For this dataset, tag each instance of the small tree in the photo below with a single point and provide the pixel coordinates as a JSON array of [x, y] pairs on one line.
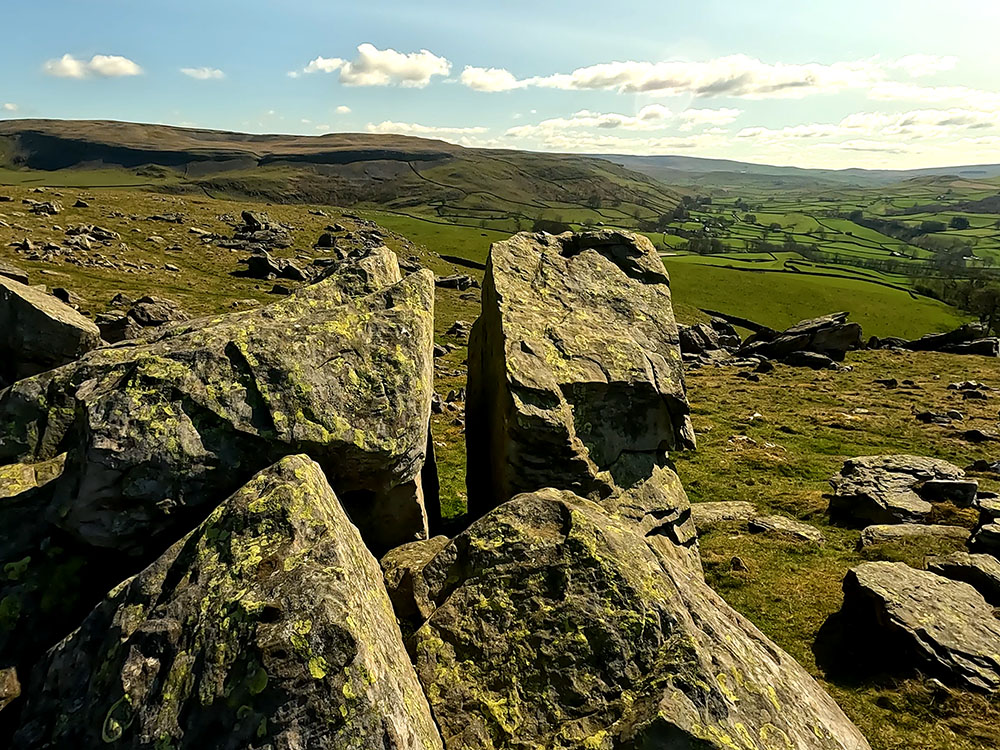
[[958, 222]]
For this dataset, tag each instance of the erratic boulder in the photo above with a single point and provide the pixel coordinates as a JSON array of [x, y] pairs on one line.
[[558, 625], [918, 619], [575, 377], [158, 430], [38, 332], [266, 627], [893, 489], [830, 335]]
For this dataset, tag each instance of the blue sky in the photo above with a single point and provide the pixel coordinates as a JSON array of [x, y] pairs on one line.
[[882, 83]]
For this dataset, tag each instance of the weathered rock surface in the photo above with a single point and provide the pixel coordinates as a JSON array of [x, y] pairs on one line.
[[155, 431], [894, 533], [560, 626], [407, 589], [268, 626], [38, 332], [830, 335], [575, 377], [789, 528], [982, 572], [143, 314], [921, 619], [709, 515], [889, 489]]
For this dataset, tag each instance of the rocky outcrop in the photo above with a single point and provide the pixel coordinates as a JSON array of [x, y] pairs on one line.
[[895, 489], [971, 338], [143, 314], [155, 431], [982, 572], [830, 335], [918, 619], [708, 337], [575, 377], [558, 625], [38, 332], [267, 626]]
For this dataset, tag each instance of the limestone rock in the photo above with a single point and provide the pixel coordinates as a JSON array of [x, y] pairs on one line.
[[575, 376], [830, 335], [709, 515], [560, 626], [941, 626], [158, 430], [789, 528], [893, 533], [38, 332], [982, 572], [407, 589], [267, 626], [888, 489]]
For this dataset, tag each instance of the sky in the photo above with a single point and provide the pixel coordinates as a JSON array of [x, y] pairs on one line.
[[810, 83]]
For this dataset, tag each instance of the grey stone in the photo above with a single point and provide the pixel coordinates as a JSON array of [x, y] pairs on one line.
[[894, 533], [982, 572], [782, 526]]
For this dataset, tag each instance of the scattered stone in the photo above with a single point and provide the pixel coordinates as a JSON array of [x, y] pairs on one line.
[[979, 436], [888, 489], [10, 271], [887, 382], [172, 268], [982, 572], [987, 539], [38, 332], [811, 360], [67, 297], [267, 626], [80, 203], [971, 338], [894, 533], [926, 621], [983, 466], [783, 526], [456, 281], [460, 329]]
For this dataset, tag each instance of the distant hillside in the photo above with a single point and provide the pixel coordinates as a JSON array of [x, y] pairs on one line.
[[694, 171], [400, 173]]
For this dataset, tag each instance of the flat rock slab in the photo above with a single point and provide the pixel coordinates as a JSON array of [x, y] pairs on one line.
[[267, 626], [889, 489], [38, 332], [987, 539], [561, 626], [709, 515], [894, 533], [789, 528], [930, 622], [982, 572]]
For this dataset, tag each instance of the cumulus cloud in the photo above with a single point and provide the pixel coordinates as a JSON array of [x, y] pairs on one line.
[[695, 118], [490, 79], [203, 74], [412, 128], [650, 117], [960, 95], [383, 67], [9, 107], [343, 109], [101, 66]]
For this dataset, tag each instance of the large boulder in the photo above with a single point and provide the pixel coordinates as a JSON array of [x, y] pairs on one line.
[[143, 314], [38, 332], [267, 626], [893, 489], [971, 338], [575, 377], [915, 618], [830, 335], [158, 430], [559, 625]]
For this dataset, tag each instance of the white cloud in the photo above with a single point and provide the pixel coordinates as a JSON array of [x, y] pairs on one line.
[[733, 76], [490, 79], [924, 65], [960, 95], [343, 109], [650, 117], [203, 74], [9, 107], [383, 67], [102, 66], [694, 118], [412, 128]]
